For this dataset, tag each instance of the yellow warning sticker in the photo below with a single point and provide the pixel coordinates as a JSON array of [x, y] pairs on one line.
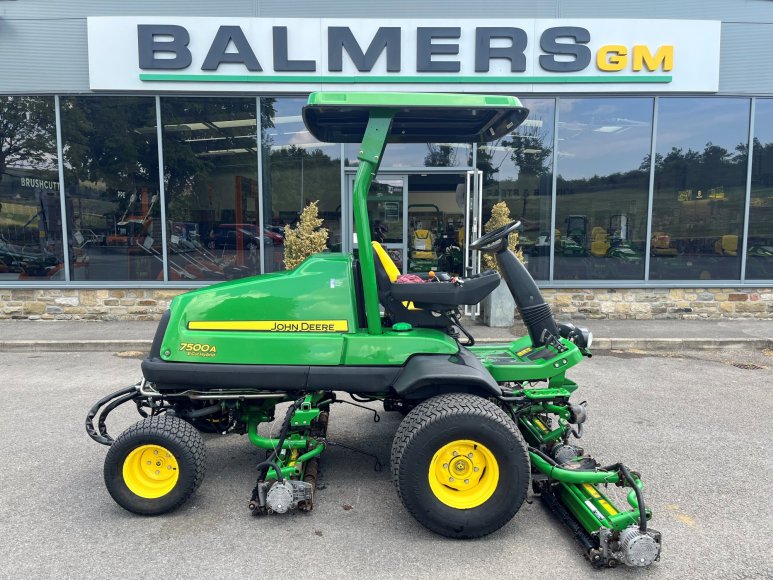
[[272, 325], [526, 350]]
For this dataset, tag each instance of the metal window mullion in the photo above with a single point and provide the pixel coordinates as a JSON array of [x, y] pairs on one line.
[[344, 214], [553, 196], [745, 239], [406, 243], [62, 205], [651, 192], [162, 189], [259, 137]]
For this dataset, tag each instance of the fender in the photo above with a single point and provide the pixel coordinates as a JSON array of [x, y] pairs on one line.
[[426, 375]]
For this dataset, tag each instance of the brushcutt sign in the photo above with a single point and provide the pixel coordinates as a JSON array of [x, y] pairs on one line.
[[305, 54]]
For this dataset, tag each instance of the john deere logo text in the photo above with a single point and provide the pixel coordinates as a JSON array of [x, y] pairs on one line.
[[272, 325]]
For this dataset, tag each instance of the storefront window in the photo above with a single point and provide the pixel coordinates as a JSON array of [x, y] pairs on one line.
[[759, 254], [517, 169], [111, 188], [211, 187], [30, 216], [700, 188], [404, 155], [602, 188], [297, 170]]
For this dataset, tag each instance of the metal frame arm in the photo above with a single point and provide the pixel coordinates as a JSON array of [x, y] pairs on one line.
[[370, 155]]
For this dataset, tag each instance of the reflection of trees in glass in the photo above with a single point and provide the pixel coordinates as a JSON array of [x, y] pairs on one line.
[[440, 155], [27, 133], [203, 138], [299, 175], [713, 167], [111, 140], [528, 155]]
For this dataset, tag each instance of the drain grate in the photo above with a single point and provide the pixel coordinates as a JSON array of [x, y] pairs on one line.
[[747, 366]]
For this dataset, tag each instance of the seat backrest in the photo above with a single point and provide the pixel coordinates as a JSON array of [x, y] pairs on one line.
[[387, 265]]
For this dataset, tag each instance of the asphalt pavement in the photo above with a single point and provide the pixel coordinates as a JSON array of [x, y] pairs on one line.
[[695, 426]]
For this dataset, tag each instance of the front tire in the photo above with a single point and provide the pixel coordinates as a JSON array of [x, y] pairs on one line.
[[460, 465], [155, 465]]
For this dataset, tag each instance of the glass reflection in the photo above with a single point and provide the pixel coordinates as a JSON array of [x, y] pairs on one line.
[[517, 169], [30, 215], [111, 188], [404, 155], [297, 170], [211, 186], [700, 188], [602, 188], [759, 254]]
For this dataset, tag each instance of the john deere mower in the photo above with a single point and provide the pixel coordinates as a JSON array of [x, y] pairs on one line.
[[482, 423]]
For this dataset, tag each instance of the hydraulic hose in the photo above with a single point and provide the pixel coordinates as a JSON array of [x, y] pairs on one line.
[[263, 467], [639, 497], [269, 462]]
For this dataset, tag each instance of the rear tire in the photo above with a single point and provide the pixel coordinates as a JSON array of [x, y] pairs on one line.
[[155, 465], [460, 465]]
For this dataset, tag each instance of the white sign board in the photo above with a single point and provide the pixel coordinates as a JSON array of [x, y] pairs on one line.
[[306, 54]]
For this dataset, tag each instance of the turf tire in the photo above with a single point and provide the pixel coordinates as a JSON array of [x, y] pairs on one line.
[[181, 439], [438, 421]]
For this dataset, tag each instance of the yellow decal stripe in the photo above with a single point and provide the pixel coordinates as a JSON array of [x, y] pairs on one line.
[[608, 506], [591, 490], [272, 325]]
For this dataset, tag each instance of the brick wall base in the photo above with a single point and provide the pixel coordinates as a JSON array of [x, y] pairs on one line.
[[631, 304]]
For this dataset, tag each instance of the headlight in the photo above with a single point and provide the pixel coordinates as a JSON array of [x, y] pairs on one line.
[[587, 336]]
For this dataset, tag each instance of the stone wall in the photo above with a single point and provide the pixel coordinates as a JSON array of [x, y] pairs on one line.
[[637, 303], [657, 303]]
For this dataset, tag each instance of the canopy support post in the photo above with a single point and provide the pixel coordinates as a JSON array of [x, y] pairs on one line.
[[371, 152]]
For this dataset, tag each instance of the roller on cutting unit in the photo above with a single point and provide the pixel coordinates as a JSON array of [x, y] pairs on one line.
[[482, 423]]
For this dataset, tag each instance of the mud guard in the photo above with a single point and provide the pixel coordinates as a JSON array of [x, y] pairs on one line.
[[427, 375]]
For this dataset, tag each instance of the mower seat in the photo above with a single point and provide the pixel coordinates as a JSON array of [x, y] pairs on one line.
[[435, 299]]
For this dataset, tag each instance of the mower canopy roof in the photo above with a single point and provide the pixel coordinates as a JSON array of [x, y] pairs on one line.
[[418, 117]]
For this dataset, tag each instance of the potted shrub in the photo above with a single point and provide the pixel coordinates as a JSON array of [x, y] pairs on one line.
[[305, 239], [499, 306]]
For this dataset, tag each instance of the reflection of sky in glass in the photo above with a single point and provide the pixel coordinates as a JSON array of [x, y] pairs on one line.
[[763, 121], [690, 123], [289, 129], [600, 136]]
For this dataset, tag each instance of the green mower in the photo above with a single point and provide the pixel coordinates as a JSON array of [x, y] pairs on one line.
[[482, 423]]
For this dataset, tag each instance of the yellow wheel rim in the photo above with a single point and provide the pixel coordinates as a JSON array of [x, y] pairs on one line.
[[150, 471], [463, 474]]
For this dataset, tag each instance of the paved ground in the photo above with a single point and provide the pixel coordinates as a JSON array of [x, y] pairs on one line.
[[696, 427]]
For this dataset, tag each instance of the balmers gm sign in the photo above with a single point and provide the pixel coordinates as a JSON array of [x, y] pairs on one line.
[[305, 54]]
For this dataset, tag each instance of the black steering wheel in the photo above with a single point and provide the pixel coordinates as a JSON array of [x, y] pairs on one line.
[[495, 241]]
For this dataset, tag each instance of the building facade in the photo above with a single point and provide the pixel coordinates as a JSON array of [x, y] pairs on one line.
[[151, 148]]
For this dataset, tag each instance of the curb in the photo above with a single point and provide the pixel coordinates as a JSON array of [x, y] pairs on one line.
[[599, 344], [659, 344]]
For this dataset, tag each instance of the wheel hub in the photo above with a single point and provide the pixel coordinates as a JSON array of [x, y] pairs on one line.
[[150, 471], [463, 474]]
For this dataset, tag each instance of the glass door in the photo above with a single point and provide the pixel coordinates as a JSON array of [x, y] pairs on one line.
[[387, 201]]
